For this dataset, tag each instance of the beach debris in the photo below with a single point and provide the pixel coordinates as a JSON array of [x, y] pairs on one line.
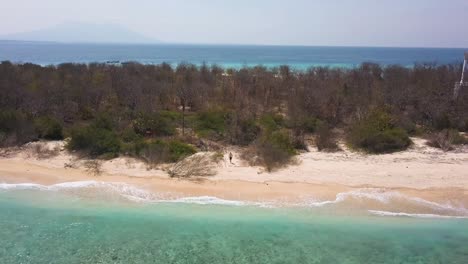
[[199, 165], [93, 167]]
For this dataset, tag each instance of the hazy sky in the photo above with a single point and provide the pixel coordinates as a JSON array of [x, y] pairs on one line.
[[421, 23]]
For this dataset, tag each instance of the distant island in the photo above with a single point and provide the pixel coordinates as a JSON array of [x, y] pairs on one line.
[[73, 32]]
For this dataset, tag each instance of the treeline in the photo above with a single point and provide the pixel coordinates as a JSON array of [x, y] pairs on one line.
[[269, 108]]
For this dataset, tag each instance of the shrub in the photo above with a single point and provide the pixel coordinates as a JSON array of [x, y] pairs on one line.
[[158, 124], [179, 150], [446, 139], [377, 133], [42, 151], [442, 122], [171, 115], [154, 152], [408, 125], [86, 113], [129, 135], [247, 131], [325, 139], [9, 121], [298, 140], [211, 124], [93, 167], [305, 123], [15, 128], [49, 128], [387, 141], [159, 151], [95, 141], [132, 143], [271, 122], [275, 149]]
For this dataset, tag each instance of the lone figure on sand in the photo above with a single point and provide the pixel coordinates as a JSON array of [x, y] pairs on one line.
[[230, 157]]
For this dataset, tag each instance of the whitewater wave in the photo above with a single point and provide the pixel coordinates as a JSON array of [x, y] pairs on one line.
[[208, 200], [386, 198], [125, 190], [401, 214], [129, 192]]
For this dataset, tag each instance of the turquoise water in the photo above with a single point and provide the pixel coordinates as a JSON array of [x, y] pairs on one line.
[[54, 227], [228, 56]]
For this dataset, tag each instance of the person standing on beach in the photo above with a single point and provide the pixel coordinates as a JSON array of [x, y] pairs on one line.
[[230, 157]]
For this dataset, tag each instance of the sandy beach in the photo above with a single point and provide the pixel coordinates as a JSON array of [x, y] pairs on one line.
[[421, 172]]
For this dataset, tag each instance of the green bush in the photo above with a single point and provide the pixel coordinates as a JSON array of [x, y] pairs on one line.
[[104, 121], [442, 122], [95, 141], [171, 115], [377, 133], [9, 121], [275, 149], [387, 141], [211, 124], [157, 124], [248, 131], [159, 151], [49, 128], [132, 143], [179, 150], [16, 128], [306, 123], [271, 122], [310, 124]]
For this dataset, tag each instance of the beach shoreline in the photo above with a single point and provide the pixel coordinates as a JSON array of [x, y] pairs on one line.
[[318, 178]]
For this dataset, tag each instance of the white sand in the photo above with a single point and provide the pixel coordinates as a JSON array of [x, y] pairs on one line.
[[422, 171]]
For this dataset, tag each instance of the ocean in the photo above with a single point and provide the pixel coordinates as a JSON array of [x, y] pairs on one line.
[[227, 56], [78, 223]]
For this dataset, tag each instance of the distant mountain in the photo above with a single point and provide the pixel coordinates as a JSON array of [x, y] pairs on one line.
[[83, 33]]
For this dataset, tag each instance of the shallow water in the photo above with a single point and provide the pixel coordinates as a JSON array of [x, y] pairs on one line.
[[44, 226]]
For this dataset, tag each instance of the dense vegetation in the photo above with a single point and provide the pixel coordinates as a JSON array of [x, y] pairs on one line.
[[159, 113], [378, 132]]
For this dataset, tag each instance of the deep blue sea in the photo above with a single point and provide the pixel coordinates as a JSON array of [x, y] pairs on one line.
[[228, 56]]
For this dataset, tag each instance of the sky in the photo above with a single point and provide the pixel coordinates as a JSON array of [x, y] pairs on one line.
[[389, 23]]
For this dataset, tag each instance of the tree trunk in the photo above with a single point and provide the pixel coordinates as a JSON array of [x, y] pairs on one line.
[[183, 120]]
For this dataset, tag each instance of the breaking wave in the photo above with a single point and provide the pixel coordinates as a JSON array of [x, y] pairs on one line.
[[385, 199], [125, 190], [400, 214]]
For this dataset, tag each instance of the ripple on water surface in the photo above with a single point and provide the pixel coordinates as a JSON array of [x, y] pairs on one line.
[[42, 225]]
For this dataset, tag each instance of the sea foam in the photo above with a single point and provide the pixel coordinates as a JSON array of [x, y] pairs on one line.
[[134, 194], [401, 214]]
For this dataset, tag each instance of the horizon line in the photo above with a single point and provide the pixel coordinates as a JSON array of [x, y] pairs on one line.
[[162, 43]]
